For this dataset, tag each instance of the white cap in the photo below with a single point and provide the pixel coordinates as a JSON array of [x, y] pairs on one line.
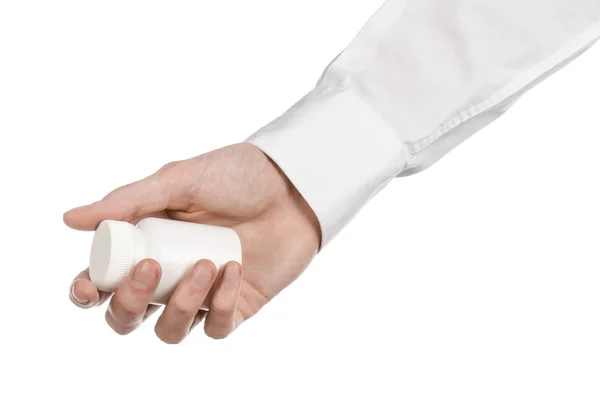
[[112, 254]]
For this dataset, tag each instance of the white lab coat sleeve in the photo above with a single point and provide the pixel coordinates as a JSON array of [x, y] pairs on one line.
[[418, 79]]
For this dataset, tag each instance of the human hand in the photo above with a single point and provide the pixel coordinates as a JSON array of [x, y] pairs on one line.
[[236, 186]]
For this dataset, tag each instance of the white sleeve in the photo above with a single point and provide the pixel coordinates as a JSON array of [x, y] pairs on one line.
[[419, 78]]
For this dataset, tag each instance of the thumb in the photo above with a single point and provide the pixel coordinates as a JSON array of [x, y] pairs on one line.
[[125, 203]]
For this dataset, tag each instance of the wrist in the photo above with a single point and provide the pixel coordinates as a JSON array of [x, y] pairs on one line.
[[293, 216]]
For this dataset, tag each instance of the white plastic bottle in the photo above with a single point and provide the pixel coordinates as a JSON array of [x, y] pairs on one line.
[[176, 245]]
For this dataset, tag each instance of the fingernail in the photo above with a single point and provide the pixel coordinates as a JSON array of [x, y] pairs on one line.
[[144, 276], [78, 300], [201, 276], [231, 274]]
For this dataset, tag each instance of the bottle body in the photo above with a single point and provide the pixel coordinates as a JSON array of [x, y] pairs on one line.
[[175, 245]]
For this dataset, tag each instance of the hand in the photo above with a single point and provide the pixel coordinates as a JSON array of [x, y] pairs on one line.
[[236, 186]]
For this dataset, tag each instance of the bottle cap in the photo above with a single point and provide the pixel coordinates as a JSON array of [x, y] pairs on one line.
[[112, 254]]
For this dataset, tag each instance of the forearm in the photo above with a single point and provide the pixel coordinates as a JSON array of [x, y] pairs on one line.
[[421, 77]]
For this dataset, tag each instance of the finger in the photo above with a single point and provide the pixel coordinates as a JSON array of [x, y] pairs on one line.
[[126, 203], [84, 294], [129, 304], [180, 313], [220, 321]]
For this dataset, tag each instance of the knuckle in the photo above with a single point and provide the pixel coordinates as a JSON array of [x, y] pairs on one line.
[[129, 311], [170, 338], [182, 309], [117, 327], [124, 311], [169, 167], [223, 308], [122, 331], [217, 332]]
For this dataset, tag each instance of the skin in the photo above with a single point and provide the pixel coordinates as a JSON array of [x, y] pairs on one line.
[[236, 186]]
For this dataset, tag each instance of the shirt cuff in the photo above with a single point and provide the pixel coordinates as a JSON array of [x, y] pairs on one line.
[[336, 151]]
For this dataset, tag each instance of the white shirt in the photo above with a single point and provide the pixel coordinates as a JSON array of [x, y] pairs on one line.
[[420, 77]]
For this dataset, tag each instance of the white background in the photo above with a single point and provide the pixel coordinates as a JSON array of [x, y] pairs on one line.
[[478, 277]]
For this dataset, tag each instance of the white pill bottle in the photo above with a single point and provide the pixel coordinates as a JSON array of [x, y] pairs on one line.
[[118, 246]]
